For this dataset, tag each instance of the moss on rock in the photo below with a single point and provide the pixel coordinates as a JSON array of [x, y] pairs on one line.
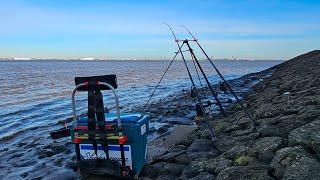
[[221, 126], [242, 160]]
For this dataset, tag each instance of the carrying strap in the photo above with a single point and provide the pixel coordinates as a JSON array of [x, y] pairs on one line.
[[99, 110], [123, 159], [96, 115], [92, 120]]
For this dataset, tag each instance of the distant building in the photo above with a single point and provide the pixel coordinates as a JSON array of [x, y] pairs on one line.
[[88, 59], [21, 58]]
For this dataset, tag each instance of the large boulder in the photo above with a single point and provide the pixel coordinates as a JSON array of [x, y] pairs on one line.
[[200, 145], [236, 151], [148, 171], [193, 169], [267, 111], [225, 143], [212, 166], [280, 130], [200, 176], [170, 156], [244, 173], [173, 153], [166, 177], [190, 138], [216, 165], [244, 160], [295, 163], [265, 148], [203, 176], [202, 155], [162, 168], [308, 136], [201, 148], [182, 159]]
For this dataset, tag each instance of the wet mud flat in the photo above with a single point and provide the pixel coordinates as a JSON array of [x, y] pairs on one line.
[[284, 145], [36, 155]]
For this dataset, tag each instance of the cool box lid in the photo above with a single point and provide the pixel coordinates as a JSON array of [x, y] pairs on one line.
[[112, 117]]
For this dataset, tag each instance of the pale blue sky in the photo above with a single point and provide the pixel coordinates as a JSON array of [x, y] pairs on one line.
[[132, 29]]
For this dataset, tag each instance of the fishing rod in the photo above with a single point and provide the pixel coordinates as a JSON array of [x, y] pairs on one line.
[[193, 84], [245, 110], [200, 68]]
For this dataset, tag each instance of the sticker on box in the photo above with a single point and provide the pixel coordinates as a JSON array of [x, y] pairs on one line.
[[87, 152]]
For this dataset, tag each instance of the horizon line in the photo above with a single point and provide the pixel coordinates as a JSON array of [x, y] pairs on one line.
[[132, 59]]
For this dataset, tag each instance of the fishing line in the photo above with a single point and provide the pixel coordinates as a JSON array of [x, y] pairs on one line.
[[154, 90], [202, 89]]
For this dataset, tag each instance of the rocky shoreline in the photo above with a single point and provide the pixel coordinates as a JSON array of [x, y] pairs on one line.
[[175, 114], [285, 145]]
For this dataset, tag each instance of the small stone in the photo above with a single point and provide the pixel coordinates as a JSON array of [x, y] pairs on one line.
[[20, 144], [46, 153], [290, 111], [162, 130], [24, 175]]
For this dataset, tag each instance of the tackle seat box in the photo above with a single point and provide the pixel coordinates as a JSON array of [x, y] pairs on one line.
[[135, 127]]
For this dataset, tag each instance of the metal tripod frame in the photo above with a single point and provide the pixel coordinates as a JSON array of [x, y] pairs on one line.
[[194, 58]]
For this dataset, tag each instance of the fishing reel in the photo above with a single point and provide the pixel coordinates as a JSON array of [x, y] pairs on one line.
[[202, 111]]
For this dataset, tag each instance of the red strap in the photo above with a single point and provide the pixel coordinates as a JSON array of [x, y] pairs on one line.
[[123, 139], [85, 128], [76, 140]]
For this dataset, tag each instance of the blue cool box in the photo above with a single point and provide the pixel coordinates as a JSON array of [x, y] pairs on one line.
[[135, 126]]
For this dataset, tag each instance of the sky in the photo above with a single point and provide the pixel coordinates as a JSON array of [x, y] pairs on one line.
[[253, 29]]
